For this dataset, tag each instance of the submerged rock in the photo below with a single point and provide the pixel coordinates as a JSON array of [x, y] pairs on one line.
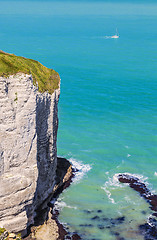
[[148, 229], [101, 226], [86, 225], [87, 211], [149, 232], [95, 218], [75, 237], [99, 211]]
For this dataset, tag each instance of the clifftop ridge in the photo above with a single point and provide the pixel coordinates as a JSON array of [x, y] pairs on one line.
[[46, 79]]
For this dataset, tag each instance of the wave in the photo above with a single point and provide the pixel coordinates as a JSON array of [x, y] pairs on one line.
[[112, 183], [59, 205], [135, 175], [81, 169], [109, 185]]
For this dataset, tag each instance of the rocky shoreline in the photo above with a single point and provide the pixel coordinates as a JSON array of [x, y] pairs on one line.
[[51, 228], [141, 188], [148, 229]]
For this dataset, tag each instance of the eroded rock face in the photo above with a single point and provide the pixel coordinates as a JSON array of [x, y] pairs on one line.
[[28, 154]]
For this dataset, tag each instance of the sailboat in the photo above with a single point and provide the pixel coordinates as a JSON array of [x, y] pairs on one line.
[[116, 35]]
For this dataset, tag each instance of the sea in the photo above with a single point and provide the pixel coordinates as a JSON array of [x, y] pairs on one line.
[[107, 107]]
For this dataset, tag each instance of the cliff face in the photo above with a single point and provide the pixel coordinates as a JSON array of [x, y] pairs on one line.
[[28, 154]]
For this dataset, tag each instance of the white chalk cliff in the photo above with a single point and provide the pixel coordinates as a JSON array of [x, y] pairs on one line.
[[28, 153]]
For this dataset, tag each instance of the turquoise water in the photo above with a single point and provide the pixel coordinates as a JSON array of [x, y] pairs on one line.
[[108, 103]]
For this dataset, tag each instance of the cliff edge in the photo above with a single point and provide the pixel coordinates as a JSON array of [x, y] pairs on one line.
[[29, 94]]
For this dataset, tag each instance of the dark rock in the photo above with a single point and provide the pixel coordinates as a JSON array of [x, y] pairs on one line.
[[153, 222], [99, 211], [95, 218], [75, 169], [61, 230], [94, 239], [115, 233], [108, 227], [101, 227], [134, 183], [140, 187], [112, 221], [120, 219], [87, 211], [153, 202], [149, 232], [86, 225], [143, 212], [144, 227], [75, 237]]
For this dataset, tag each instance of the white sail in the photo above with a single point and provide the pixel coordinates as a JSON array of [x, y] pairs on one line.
[[116, 35]]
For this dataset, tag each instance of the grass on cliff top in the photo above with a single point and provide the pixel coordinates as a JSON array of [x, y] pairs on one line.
[[47, 79], [2, 230]]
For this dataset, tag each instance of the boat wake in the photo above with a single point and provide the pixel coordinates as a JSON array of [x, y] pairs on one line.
[[111, 37]]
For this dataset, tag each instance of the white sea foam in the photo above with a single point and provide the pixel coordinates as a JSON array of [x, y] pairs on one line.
[[82, 169], [149, 218], [109, 194], [109, 185], [59, 205], [128, 155], [112, 183], [139, 176]]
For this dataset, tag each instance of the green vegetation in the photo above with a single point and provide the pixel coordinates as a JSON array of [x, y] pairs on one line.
[[47, 79], [7, 235], [16, 98], [2, 230], [18, 236]]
